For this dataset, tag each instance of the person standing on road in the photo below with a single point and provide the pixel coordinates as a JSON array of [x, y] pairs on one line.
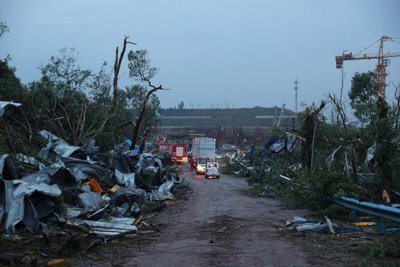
[[191, 163]]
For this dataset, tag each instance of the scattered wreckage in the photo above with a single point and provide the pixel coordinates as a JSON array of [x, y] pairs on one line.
[[340, 159], [104, 198]]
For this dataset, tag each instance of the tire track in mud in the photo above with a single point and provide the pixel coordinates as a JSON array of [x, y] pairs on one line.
[[219, 224]]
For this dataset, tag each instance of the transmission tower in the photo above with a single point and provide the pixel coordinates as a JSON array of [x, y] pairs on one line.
[[295, 94]]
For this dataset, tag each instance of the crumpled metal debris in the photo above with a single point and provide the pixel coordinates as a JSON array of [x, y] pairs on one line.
[[324, 226], [370, 154], [163, 192], [88, 169], [91, 202], [59, 146], [20, 207], [29, 160], [51, 175], [128, 195], [7, 168], [90, 190], [277, 147], [331, 158], [4, 104], [303, 225], [113, 226], [127, 179]]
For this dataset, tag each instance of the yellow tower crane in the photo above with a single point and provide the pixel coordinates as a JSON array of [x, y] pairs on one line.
[[380, 67]]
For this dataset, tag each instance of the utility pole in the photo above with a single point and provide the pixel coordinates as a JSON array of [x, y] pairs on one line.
[[295, 96]]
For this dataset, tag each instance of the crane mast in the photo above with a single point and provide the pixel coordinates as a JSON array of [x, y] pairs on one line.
[[380, 69]]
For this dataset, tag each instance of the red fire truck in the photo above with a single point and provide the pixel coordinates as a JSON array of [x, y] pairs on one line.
[[163, 146], [180, 153]]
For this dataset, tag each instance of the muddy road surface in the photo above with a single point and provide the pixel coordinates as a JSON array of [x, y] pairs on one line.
[[220, 223]]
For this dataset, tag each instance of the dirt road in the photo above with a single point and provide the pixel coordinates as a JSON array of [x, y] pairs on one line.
[[221, 224]]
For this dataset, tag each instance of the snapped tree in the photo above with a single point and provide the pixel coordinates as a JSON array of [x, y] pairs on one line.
[[308, 132], [117, 67]]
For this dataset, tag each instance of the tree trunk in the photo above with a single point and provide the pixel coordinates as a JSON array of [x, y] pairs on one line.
[[117, 67], [141, 115], [309, 127], [143, 142]]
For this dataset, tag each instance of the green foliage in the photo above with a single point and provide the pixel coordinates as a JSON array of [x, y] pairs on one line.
[[3, 28], [310, 128], [140, 69], [306, 189], [74, 102], [363, 96], [131, 100], [226, 165], [386, 248], [312, 190], [60, 205], [11, 88], [65, 74], [230, 167], [386, 153], [381, 134], [135, 96], [139, 66], [12, 130], [311, 187], [100, 87]]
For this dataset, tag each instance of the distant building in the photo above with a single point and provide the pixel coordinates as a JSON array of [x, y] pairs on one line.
[[233, 126]]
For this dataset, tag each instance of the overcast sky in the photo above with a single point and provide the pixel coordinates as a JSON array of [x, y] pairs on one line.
[[244, 53]]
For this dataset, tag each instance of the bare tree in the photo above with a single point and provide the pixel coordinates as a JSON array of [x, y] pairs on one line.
[[117, 67], [339, 110], [337, 102]]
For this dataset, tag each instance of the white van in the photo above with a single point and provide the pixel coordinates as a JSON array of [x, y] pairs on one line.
[[212, 170]]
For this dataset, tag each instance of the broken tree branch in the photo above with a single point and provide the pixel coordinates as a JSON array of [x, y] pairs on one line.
[[340, 113], [117, 67]]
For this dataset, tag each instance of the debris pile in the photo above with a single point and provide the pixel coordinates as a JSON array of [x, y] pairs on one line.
[[73, 191]]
